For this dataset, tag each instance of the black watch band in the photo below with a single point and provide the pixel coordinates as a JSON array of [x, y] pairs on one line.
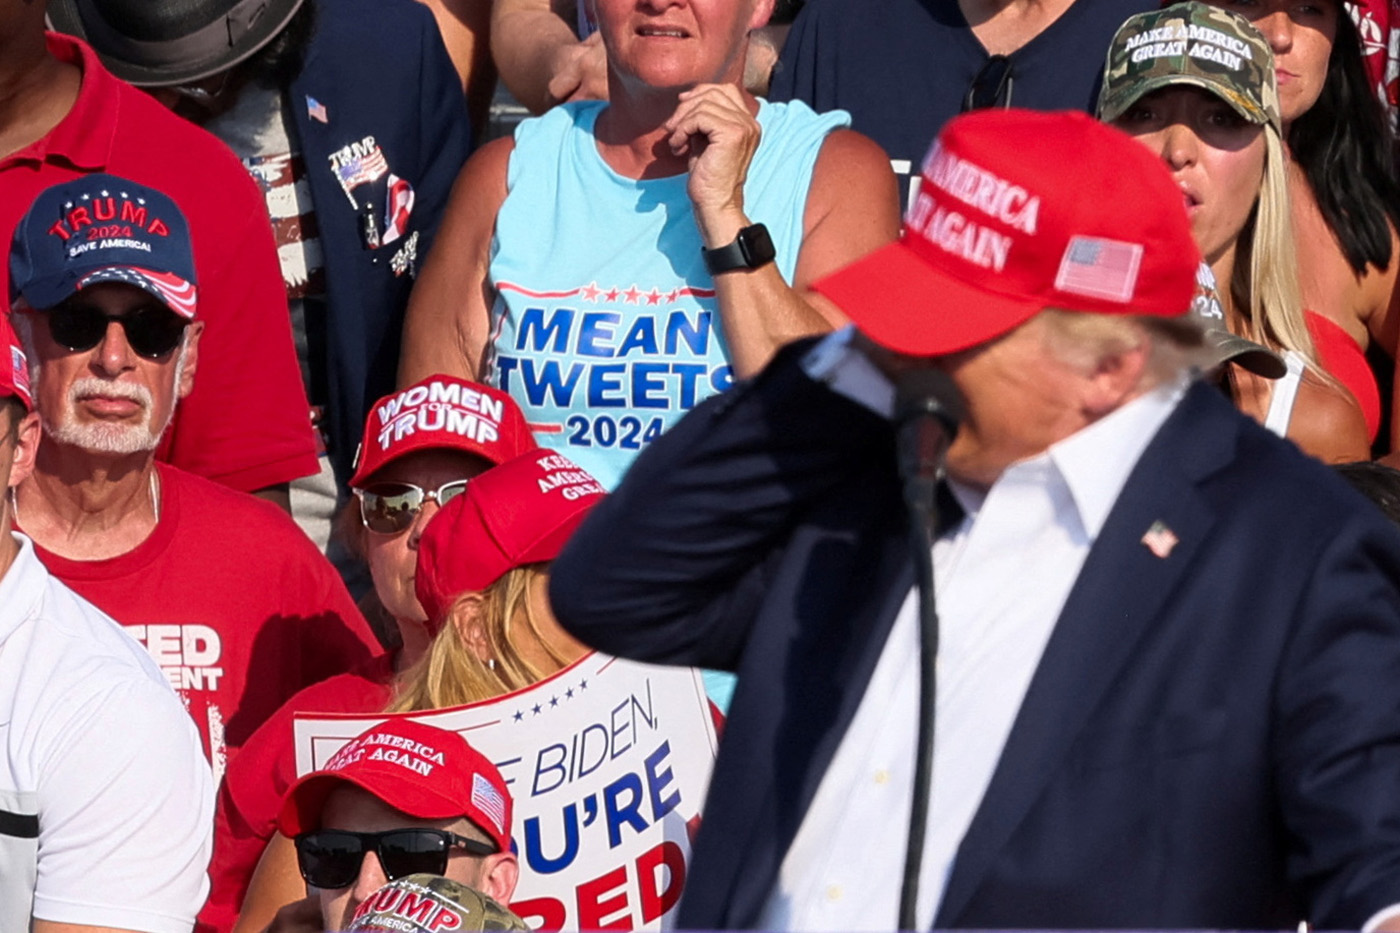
[[752, 248]]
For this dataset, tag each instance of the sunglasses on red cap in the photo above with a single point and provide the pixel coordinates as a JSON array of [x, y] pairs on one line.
[[331, 858]]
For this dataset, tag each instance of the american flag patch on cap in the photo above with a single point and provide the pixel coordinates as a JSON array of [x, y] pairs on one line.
[[1098, 268], [489, 801], [19, 371]]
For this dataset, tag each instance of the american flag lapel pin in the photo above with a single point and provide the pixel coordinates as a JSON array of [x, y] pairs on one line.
[[1160, 539], [316, 110]]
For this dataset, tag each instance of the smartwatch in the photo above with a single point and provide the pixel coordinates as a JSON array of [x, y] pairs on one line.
[[751, 249]]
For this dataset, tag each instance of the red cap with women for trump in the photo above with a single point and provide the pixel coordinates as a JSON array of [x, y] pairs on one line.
[[14, 369], [442, 412], [518, 513], [418, 769], [102, 228], [1018, 212]]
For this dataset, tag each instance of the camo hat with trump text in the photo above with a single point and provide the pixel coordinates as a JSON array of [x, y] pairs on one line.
[[518, 513], [442, 412], [102, 228], [1019, 211], [418, 769], [432, 904], [1194, 44]]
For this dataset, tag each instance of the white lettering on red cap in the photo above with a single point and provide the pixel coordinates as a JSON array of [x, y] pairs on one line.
[[953, 233], [976, 187], [441, 406]]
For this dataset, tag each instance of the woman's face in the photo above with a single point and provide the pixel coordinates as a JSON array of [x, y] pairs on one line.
[[1216, 157], [678, 43], [1301, 33], [393, 558]]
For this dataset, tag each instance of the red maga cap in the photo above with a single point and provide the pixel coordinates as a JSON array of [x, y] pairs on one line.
[[1018, 212], [14, 369], [518, 513], [421, 770], [442, 412]]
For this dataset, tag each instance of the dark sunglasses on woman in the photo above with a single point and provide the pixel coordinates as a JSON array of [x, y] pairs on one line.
[[331, 858], [390, 508]]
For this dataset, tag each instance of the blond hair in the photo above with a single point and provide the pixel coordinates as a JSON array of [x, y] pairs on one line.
[[1264, 286], [456, 669]]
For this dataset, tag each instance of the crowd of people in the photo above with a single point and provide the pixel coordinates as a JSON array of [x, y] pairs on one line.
[[313, 403]]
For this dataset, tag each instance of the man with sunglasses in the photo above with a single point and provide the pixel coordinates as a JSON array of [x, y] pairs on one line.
[[403, 798], [105, 799], [63, 115], [233, 602]]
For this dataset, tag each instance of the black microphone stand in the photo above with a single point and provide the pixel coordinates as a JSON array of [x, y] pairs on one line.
[[927, 413]]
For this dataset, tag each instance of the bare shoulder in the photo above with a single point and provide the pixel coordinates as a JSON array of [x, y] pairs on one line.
[[848, 157], [1327, 422]]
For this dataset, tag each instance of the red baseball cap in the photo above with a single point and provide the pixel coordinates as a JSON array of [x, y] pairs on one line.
[[14, 370], [518, 513], [442, 412], [421, 770], [1019, 211]]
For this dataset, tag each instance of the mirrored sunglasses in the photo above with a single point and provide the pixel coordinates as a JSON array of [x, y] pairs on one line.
[[390, 508], [331, 858], [151, 332]]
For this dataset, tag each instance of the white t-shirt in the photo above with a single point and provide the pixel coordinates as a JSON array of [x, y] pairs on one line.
[[106, 798]]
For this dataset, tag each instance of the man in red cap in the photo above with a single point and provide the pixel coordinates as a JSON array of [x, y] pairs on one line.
[[105, 797], [1165, 678], [401, 799]]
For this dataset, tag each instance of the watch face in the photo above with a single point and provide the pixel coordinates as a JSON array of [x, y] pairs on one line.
[[757, 246]]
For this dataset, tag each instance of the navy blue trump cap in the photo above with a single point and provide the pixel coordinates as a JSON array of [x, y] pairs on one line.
[[102, 228]]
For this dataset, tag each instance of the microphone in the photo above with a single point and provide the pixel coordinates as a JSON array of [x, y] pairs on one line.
[[928, 408]]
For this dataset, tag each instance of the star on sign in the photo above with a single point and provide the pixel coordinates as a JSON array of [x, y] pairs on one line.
[[519, 715], [553, 701], [537, 709]]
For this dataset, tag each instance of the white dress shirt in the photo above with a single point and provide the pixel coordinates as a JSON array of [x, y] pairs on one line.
[[1001, 578]]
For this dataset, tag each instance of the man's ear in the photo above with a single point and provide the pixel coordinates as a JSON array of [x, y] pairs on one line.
[[26, 448], [762, 13], [1116, 378], [191, 352], [500, 874]]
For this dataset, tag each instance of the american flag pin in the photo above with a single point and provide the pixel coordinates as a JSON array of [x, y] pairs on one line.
[[316, 110], [1160, 539]]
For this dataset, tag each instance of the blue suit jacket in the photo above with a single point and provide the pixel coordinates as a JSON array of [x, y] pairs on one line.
[[1211, 740], [380, 69]]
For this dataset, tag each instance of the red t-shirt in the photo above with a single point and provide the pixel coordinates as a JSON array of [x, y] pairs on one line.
[[257, 779], [233, 601], [247, 423]]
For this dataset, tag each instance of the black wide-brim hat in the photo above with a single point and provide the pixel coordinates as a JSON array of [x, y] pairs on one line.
[[156, 43]]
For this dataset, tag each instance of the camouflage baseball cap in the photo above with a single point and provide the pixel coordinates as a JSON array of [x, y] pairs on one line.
[[430, 903], [1191, 43]]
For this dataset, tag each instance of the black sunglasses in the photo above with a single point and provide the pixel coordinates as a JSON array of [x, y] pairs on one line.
[[390, 508], [331, 858], [151, 332], [991, 86]]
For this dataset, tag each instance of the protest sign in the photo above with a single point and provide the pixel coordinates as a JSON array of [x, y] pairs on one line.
[[608, 762]]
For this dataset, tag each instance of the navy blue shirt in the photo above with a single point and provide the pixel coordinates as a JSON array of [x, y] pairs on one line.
[[903, 67]]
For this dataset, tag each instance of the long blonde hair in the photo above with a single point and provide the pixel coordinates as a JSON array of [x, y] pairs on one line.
[[1264, 285], [455, 670]]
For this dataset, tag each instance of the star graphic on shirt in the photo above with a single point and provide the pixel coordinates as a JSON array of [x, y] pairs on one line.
[[519, 715], [672, 295], [583, 685], [612, 294], [591, 291], [537, 709], [569, 694], [654, 298], [632, 295], [553, 701]]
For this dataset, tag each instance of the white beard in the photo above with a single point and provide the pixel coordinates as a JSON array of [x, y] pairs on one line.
[[102, 437]]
